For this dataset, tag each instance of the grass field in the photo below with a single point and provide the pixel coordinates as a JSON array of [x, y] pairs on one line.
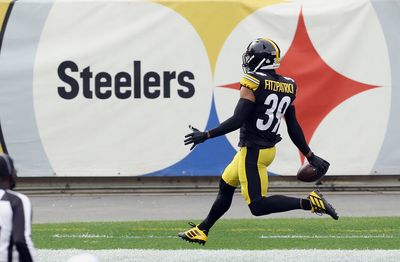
[[240, 234]]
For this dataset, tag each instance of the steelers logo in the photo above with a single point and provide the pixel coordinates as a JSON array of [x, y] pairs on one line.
[[110, 97], [333, 75]]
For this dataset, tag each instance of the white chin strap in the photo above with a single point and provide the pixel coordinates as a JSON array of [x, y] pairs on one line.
[[266, 67], [259, 64]]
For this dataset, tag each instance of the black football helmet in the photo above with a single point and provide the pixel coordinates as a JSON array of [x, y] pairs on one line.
[[261, 53], [7, 169]]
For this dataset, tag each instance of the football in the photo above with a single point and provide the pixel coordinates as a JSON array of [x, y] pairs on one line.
[[308, 173]]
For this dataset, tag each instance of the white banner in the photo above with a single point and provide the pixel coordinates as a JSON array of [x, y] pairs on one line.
[[108, 88]]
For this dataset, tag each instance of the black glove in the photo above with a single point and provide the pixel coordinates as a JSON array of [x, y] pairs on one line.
[[196, 137], [320, 164]]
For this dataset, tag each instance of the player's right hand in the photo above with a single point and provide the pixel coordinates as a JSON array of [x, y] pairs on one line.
[[196, 137], [320, 164]]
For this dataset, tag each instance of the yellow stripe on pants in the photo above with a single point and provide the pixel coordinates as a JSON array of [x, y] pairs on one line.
[[236, 172]]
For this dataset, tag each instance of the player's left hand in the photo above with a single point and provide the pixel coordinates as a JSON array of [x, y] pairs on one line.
[[320, 164], [196, 137]]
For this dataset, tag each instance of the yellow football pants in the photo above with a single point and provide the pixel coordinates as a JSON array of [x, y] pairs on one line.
[[249, 169]]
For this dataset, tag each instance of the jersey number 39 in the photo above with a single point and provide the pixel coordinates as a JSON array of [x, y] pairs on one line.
[[276, 109]]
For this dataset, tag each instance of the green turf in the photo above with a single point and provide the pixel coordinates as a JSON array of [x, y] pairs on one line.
[[318, 233]]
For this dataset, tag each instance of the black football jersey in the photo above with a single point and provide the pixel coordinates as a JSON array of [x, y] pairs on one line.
[[274, 94]]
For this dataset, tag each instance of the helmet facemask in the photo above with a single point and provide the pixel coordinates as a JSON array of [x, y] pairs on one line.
[[247, 58]]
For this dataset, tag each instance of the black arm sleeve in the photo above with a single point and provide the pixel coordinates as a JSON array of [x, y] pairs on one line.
[[242, 110], [295, 132]]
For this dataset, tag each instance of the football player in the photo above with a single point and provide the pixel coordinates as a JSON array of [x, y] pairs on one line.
[[265, 97], [15, 217]]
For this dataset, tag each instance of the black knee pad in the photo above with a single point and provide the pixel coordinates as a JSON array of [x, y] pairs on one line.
[[225, 194], [257, 208], [225, 188]]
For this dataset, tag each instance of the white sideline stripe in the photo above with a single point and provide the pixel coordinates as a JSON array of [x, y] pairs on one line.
[[310, 255], [107, 236], [262, 236], [327, 236]]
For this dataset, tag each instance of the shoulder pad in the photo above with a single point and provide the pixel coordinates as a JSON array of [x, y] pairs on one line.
[[250, 82], [293, 82], [288, 78]]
